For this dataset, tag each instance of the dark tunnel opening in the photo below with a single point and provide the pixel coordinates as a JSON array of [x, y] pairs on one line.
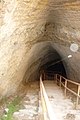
[[55, 65], [50, 69], [46, 58]]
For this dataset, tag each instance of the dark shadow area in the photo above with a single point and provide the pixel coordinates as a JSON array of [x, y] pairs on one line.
[[45, 58], [54, 67]]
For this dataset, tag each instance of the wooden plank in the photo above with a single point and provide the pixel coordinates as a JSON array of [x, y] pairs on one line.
[[62, 76], [62, 84], [70, 80], [65, 87], [70, 89], [77, 101], [48, 111], [73, 82], [56, 78], [60, 80], [72, 92]]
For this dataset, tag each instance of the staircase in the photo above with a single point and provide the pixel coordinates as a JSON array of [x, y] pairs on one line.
[[63, 108], [55, 103], [49, 101], [30, 104]]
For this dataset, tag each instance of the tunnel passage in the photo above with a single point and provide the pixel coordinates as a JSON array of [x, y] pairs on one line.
[[54, 67], [43, 57], [55, 21]]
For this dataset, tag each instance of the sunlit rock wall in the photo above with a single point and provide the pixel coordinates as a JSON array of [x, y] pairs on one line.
[[21, 23], [29, 29], [63, 29]]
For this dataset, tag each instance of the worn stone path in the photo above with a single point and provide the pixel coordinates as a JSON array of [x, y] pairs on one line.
[[63, 108], [30, 107]]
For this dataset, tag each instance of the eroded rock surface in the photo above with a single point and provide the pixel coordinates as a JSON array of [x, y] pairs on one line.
[[30, 104], [29, 31]]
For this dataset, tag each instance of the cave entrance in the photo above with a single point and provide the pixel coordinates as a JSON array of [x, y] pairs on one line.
[[54, 66], [51, 68], [46, 58]]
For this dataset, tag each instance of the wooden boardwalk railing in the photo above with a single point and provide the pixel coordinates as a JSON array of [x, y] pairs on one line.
[[64, 82], [47, 111]]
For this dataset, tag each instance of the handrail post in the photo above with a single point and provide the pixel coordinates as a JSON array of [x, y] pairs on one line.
[[60, 80], [48, 113], [42, 100], [44, 76], [78, 92], [56, 78], [53, 77], [65, 87]]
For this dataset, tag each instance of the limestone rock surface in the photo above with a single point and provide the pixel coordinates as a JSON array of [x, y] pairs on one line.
[[30, 32]]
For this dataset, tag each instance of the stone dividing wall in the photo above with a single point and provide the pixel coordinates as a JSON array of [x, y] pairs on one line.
[[27, 29]]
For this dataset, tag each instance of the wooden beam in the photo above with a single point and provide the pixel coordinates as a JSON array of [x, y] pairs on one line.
[[77, 101], [65, 87]]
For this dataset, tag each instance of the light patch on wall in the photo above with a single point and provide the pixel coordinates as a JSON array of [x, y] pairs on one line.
[[74, 47]]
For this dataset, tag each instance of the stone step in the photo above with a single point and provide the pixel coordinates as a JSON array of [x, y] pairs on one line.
[[30, 107], [28, 111]]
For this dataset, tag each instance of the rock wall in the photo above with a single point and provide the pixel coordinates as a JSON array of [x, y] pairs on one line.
[[29, 30]]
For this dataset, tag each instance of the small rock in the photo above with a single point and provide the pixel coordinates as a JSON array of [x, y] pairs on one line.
[[6, 110], [16, 113], [21, 115], [70, 117], [5, 115]]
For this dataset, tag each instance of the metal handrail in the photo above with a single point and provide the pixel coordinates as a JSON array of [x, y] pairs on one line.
[[60, 78], [66, 87], [48, 113]]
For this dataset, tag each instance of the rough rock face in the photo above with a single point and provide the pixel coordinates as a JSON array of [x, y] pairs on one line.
[[32, 32]]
